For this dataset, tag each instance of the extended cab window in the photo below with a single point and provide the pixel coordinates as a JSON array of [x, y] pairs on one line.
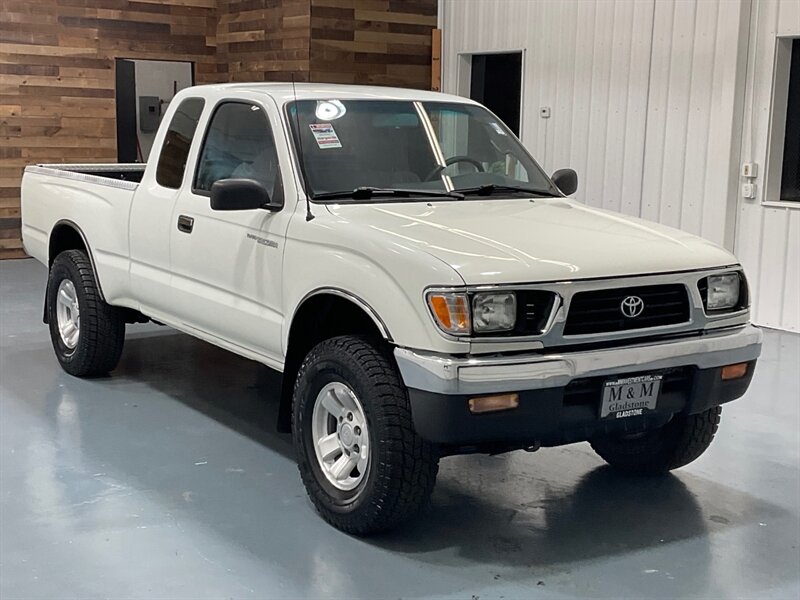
[[175, 150], [238, 144]]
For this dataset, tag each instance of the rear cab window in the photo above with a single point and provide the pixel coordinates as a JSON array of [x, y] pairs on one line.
[[177, 141]]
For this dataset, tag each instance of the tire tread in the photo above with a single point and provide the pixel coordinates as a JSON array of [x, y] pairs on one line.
[[675, 445]]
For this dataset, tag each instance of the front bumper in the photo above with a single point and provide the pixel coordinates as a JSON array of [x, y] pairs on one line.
[[439, 387], [488, 375]]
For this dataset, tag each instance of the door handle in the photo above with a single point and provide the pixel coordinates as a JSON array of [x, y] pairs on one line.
[[185, 224]]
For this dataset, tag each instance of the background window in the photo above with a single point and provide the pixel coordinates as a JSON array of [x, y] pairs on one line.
[[238, 144], [790, 177], [172, 162]]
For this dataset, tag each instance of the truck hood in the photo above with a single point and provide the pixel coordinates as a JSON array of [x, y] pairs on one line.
[[521, 240]]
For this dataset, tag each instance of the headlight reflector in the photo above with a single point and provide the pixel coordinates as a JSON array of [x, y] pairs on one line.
[[723, 291], [494, 311], [451, 311]]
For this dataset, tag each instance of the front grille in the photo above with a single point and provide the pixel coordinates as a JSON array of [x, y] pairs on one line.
[[589, 390], [600, 311], [533, 311]]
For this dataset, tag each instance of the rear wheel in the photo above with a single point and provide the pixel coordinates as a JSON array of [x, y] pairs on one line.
[[363, 465], [672, 446], [87, 333]]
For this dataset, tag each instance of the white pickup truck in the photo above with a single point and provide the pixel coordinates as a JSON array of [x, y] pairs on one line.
[[425, 288]]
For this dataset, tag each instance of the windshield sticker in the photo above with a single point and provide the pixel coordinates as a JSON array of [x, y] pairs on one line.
[[497, 128], [325, 135]]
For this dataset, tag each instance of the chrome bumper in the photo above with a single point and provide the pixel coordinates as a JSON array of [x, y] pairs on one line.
[[444, 374]]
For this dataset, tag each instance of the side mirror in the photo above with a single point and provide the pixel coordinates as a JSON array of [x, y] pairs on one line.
[[240, 194], [566, 180]]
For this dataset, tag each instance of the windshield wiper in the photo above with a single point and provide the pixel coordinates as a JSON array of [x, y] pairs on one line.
[[490, 188], [367, 192]]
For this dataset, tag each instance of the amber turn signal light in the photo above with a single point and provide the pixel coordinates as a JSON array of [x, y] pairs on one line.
[[485, 404], [734, 371], [451, 311]]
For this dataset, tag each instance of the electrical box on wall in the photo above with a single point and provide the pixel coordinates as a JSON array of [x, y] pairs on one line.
[[750, 170], [749, 190], [149, 113]]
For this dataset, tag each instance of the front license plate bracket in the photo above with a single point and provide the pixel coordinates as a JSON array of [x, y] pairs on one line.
[[630, 396]]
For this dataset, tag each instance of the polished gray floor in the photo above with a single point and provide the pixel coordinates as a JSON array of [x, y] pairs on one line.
[[167, 480]]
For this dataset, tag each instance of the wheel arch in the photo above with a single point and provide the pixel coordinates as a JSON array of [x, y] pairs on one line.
[[333, 294], [322, 314], [67, 235]]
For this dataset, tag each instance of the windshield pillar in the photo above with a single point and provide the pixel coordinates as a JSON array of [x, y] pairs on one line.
[[434, 142]]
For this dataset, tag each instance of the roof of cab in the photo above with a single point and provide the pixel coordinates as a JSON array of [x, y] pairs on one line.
[[286, 92]]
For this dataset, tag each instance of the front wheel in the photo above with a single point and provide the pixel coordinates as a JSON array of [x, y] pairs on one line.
[[87, 333], [363, 465], [674, 445]]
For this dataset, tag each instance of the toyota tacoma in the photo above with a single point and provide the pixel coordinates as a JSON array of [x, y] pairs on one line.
[[424, 286]]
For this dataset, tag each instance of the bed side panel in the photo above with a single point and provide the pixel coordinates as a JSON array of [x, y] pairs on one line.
[[98, 207]]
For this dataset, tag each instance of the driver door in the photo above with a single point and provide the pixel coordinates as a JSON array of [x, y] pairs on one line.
[[227, 265]]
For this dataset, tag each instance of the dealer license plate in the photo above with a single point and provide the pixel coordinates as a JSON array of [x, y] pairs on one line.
[[630, 397]]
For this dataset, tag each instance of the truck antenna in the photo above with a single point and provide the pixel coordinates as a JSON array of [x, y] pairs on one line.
[[309, 214]]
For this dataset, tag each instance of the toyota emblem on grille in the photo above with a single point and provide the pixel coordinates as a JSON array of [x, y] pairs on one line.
[[631, 306]]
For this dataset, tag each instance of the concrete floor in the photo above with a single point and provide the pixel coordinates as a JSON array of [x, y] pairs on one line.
[[167, 480]]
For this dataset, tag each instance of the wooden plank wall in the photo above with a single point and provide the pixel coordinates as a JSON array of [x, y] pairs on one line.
[[57, 78], [264, 40], [382, 42], [57, 63]]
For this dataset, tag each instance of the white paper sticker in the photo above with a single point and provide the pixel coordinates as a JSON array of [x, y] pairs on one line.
[[497, 128], [325, 135]]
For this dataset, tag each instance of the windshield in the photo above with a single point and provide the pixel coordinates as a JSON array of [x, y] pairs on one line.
[[395, 145]]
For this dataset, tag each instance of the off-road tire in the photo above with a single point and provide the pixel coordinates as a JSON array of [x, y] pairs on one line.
[[672, 446], [102, 327], [403, 466]]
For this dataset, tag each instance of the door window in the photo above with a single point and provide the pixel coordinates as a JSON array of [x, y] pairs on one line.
[[238, 144], [175, 150]]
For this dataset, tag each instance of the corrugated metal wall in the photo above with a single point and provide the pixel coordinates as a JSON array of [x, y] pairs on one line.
[[768, 237], [691, 152], [647, 100], [587, 61]]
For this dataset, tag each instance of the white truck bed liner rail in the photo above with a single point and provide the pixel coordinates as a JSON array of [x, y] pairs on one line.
[[124, 176]]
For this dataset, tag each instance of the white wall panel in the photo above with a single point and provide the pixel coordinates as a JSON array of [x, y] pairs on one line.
[[768, 237], [587, 61], [691, 150], [641, 94]]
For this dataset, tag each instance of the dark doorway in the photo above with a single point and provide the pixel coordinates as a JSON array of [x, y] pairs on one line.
[[496, 82], [790, 179], [127, 151]]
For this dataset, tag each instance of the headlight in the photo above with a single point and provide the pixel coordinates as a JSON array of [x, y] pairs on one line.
[[722, 291], [451, 311], [494, 312]]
